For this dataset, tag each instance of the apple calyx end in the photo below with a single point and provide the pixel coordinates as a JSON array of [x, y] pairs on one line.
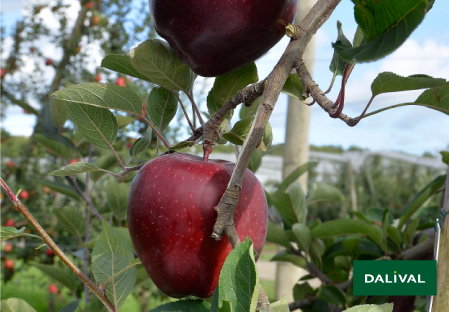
[[290, 30]]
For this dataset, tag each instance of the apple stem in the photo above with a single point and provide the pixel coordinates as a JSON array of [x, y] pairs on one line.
[[207, 150], [195, 108]]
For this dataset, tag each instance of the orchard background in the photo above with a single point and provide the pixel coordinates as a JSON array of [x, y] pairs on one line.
[[60, 44]]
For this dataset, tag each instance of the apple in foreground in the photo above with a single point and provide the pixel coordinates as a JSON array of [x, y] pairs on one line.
[[216, 37], [171, 217]]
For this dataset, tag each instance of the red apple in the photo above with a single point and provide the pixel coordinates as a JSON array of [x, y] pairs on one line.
[[89, 5], [216, 37], [46, 190], [10, 164], [24, 194], [120, 82], [77, 50], [9, 264], [8, 248], [10, 222], [97, 77], [50, 252], [73, 161], [3, 72], [171, 217], [95, 20], [48, 62], [53, 289]]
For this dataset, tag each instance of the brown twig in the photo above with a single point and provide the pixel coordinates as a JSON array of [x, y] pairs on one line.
[[55, 247]]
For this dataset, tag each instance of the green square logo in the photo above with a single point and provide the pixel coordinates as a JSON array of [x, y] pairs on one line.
[[395, 278]]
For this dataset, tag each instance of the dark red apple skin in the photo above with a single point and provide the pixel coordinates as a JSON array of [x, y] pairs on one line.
[[171, 217], [216, 37]]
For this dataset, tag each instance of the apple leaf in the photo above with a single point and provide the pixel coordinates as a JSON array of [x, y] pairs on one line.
[[16, 305], [142, 143], [409, 232], [359, 37], [117, 196], [291, 204], [292, 177], [71, 307], [71, 219], [246, 112], [324, 192], [386, 25], [111, 260], [255, 161], [445, 157], [386, 307], [181, 145], [121, 64], [317, 248], [344, 227], [286, 256], [189, 305], [102, 95], [332, 295], [303, 235], [61, 188], [225, 306], [106, 162], [123, 121], [390, 82], [161, 106], [338, 65], [267, 138], [7, 232], [62, 275], [239, 283], [420, 198], [293, 87], [277, 235], [394, 234], [239, 132], [78, 167], [158, 62], [58, 148], [280, 306], [301, 290]]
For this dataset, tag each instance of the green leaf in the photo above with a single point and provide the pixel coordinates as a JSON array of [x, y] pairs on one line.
[[319, 306], [105, 162], [332, 295], [71, 219], [111, 260], [121, 64], [301, 290], [409, 233], [246, 112], [317, 248], [22, 104], [386, 307], [286, 256], [7, 232], [58, 112], [359, 37], [420, 199], [117, 196], [225, 306], [267, 138], [158, 62], [293, 87], [161, 106], [62, 275], [343, 262], [351, 245], [338, 65], [102, 95], [386, 25], [123, 121], [78, 167], [239, 283], [277, 235], [324, 192], [280, 306], [190, 305], [239, 132], [16, 305], [445, 157], [390, 82], [303, 235], [142, 143], [344, 227], [71, 307], [291, 205], [61, 188], [292, 177], [394, 234], [255, 161], [58, 148], [181, 145], [95, 305]]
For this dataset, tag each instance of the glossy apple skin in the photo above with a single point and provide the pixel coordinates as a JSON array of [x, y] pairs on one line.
[[171, 217], [215, 37]]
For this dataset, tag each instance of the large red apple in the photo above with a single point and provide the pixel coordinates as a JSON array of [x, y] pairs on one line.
[[171, 217], [216, 37]]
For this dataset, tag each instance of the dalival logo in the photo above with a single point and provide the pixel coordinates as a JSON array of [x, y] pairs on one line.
[[396, 278]]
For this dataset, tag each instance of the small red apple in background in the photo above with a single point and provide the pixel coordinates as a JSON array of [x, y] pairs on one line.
[[48, 62], [50, 252], [53, 289], [97, 77], [73, 161], [10, 222], [89, 5], [171, 217], [10, 164], [95, 20], [3, 72], [9, 264], [8, 248], [32, 50], [77, 50], [24, 194], [120, 82], [26, 112], [47, 190], [216, 37]]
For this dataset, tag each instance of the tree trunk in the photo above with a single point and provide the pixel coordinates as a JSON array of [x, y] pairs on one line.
[[296, 153]]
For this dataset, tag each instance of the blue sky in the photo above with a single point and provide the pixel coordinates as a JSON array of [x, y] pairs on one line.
[[412, 130]]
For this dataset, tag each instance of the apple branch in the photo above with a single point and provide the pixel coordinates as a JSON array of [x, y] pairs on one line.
[[56, 249], [319, 13]]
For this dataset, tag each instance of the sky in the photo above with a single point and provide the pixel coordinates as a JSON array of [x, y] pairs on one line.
[[413, 130]]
